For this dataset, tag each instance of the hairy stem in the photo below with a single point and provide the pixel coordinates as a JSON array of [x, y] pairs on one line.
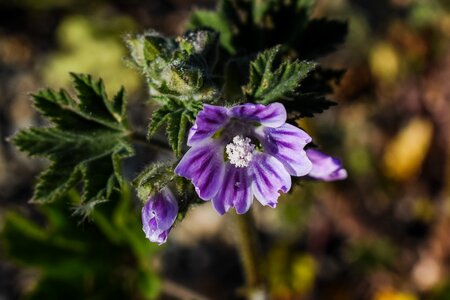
[[249, 250]]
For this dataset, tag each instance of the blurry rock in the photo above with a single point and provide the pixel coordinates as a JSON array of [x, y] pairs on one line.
[[202, 222], [426, 273]]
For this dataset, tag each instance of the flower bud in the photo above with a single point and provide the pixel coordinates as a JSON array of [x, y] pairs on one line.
[[158, 216]]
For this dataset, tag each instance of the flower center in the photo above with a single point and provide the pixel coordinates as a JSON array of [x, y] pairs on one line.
[[240, 151]]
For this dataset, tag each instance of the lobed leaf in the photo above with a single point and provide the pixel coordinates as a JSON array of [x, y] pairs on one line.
[[270, 81], [85, 142], [65, 254], [306, 105], [311, 97], [176, 115]]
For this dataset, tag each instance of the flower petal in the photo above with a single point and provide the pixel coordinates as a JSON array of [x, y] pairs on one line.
[[165, 209], [269, 176], [272, 115], [325, 167], [204, 165], [286, 143], [208, 121], [235, 191]]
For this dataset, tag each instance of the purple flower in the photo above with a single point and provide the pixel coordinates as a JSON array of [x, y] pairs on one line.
[[325, 167], [243, 151], [158, 215]]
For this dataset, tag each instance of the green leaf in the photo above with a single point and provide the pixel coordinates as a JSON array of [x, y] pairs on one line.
[[177, 116], [306, 105], [311, 96], [247, 26], [271, 81], [110, 251], [153, 179], [85, 142], [250, 25]]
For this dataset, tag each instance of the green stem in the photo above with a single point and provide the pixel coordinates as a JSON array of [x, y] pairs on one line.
[[250, 253]]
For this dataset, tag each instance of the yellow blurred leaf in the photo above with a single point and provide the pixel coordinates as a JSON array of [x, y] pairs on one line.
[[389, 294], [404, 155], [303, 274], [384, 62], [84, 48]]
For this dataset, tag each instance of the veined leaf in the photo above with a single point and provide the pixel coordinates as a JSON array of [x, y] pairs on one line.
[[270, 82], [176, 115], [84, 143], [311, 96]]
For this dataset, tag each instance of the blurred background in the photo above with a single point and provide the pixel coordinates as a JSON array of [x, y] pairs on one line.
[[383, 234]]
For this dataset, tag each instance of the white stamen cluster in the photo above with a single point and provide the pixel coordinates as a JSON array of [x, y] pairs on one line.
[[240, 151]]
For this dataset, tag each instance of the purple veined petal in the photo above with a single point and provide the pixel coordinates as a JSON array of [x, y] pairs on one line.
[[325, 167], [269, 177], [158, 216], [235, 191], [165, 208], [148, 222], [272, 115], [208, 121], [204, 165], [286, 143]]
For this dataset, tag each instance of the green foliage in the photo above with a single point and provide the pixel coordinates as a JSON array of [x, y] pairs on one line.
[[176, 68], [300, 85], [211, 63], [311, 96], [178, 72], [176, 115], [247, 26], [86, 141], [107, 258], [271, 81]]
